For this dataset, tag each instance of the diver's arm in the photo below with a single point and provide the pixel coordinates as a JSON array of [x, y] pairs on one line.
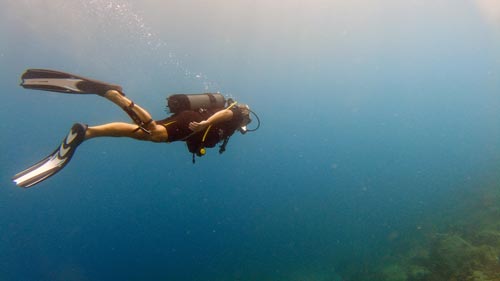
[[219, 116]]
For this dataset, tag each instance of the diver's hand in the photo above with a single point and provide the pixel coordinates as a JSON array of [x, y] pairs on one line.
[[198, 126]]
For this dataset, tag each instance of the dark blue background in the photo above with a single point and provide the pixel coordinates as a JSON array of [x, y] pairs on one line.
[[376, 119]]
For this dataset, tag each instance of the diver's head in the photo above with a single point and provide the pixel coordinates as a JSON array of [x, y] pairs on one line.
[[245, 112]]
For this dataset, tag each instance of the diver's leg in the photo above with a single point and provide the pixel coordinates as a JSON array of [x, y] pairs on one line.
[[150, 130], [119, 129], [139, 115]]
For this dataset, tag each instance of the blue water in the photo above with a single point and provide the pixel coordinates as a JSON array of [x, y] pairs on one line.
[[377, 117]]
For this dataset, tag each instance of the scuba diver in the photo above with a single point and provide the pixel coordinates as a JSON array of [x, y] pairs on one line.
[[200, 120]]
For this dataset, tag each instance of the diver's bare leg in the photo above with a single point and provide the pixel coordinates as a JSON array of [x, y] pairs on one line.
[[119, 129], [155, 132], [137, 113]]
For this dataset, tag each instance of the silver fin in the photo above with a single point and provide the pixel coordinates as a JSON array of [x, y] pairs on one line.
[[53, 163]]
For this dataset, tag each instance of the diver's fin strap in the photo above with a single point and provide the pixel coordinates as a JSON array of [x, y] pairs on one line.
[[137, 120]]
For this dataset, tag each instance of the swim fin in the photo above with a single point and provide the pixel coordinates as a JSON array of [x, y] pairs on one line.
[[55, 161], [57, 81]]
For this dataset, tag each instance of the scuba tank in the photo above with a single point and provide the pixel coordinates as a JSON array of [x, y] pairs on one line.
[[180, 102]]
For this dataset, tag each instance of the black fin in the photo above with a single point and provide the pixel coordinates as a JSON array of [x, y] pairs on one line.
[[57, 81]]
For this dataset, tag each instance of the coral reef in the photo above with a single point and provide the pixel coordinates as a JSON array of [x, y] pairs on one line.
[[467, 248], [450, 257]]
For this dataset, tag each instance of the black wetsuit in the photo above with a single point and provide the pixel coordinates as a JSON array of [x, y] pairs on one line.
[[177, 127]]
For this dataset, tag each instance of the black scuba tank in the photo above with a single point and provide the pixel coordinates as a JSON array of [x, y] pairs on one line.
[[180, 102]]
